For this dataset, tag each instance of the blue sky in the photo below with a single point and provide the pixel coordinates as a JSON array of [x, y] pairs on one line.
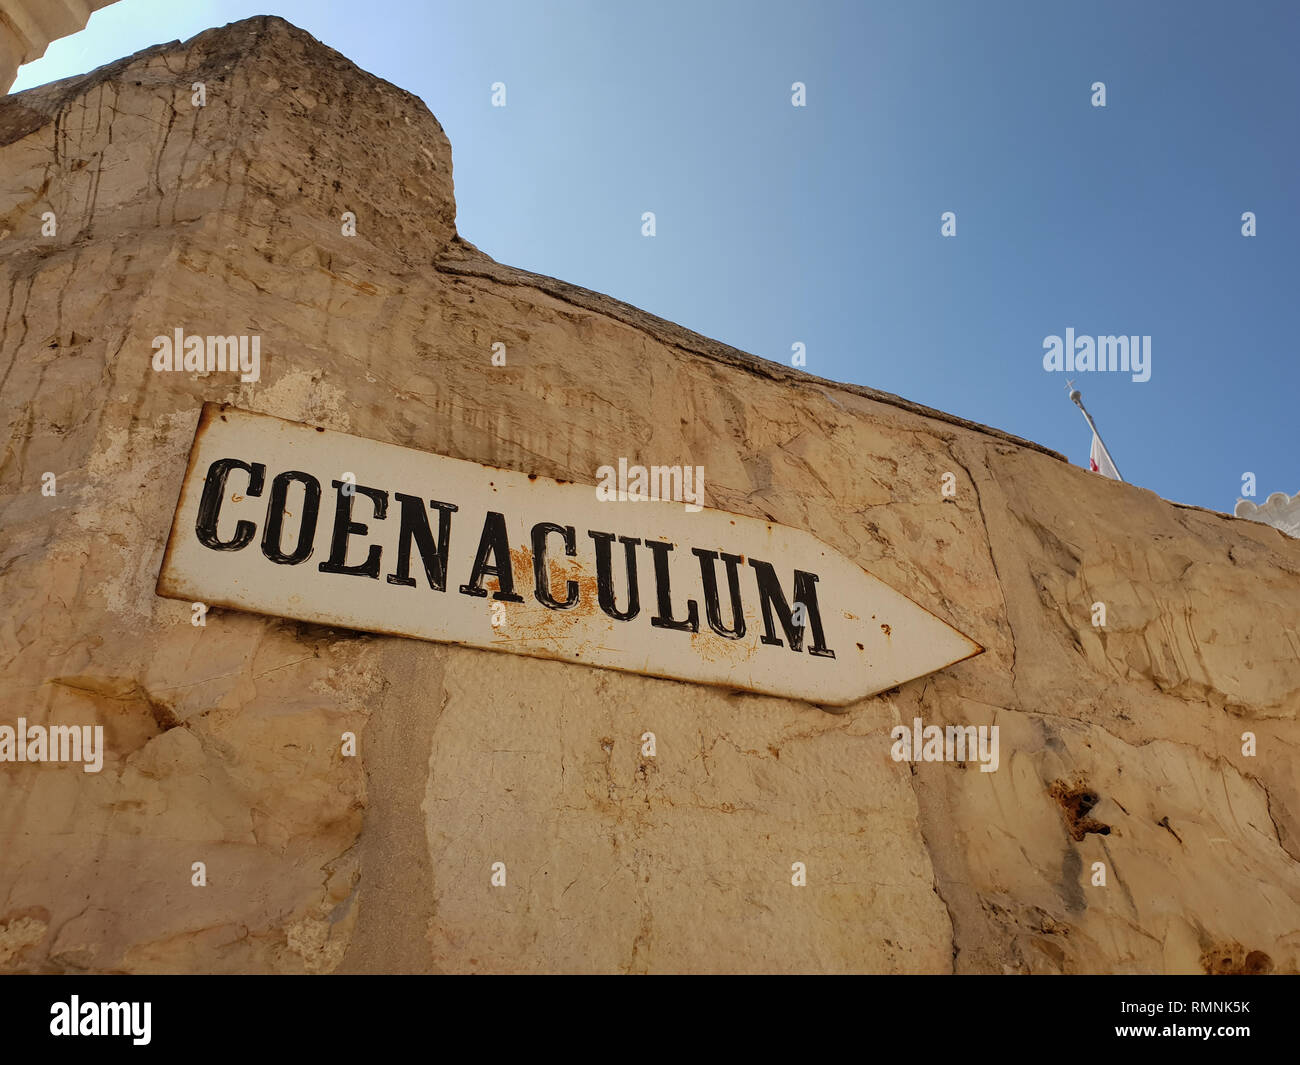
[[821, 224]]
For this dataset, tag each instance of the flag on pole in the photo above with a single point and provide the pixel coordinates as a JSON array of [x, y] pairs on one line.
[[1100, 461]]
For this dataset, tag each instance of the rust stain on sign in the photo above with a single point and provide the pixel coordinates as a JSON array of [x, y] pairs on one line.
[[280, 518]]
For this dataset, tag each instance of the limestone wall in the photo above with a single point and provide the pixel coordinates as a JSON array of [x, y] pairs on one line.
[[1121, 745]]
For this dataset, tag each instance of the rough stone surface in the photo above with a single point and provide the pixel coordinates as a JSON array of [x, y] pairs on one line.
[[1120, 744]]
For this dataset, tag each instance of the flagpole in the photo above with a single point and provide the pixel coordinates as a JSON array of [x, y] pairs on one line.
[[1077, 396]]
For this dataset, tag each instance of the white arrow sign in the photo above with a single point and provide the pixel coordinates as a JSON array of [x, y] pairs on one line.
[[292, 520]]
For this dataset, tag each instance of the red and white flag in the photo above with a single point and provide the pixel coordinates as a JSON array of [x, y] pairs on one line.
[[1100, 461]]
